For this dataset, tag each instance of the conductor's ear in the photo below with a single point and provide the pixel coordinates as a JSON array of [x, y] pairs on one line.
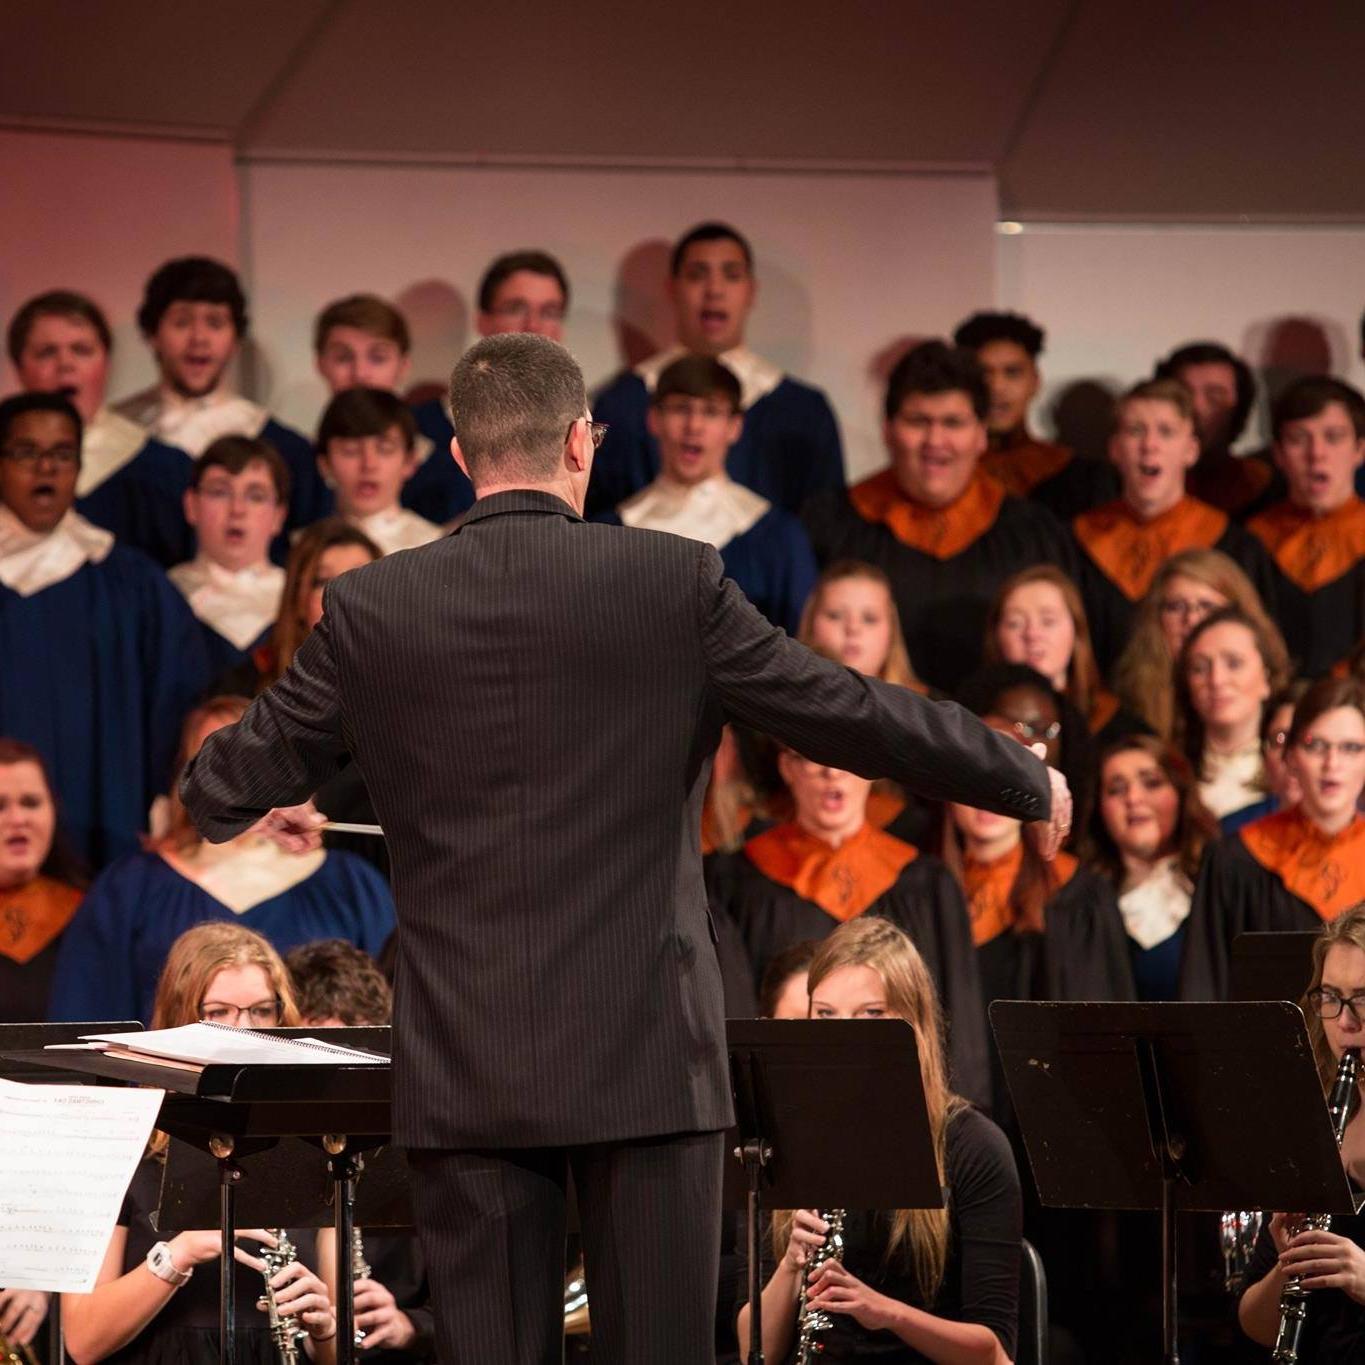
[[458, 455]]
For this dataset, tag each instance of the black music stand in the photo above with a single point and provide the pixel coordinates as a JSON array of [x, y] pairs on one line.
[[233, 1111], [1272, 966], [1128, 1106], [797, 1084]]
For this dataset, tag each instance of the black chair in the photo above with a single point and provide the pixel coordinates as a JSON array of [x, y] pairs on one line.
[[1032, 1348]]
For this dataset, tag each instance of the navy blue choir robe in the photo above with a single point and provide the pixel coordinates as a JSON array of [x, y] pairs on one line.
[[945, 566], [1278, 874], [788, 451], [134, 485], [1050, 475], [235, 609], [98, 672], [1155, 916], [439, 489], [116, 944], [1120, 556], [1318, 580]]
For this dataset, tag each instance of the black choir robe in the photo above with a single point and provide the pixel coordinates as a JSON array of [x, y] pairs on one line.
[[1317, 591], [1278, 874], [1120, 556], [1240, 485], [1050, 475], [945, 566], [33, 918], [889, 878]]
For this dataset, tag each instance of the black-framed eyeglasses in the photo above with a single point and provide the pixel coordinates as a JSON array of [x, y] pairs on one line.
[[1327, 1004], [30, 455], [597, 430], [1033, 733], [263, 1014]]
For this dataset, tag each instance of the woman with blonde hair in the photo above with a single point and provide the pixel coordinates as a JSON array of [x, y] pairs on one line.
[[114, 948], [1186, 588], [1331, 1262], [910, 1284], [149, 1306]]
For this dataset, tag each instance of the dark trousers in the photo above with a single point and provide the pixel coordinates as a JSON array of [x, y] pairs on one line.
[[492, 1225]]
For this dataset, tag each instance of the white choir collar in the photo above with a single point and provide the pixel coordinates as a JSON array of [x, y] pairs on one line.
[[397, 528], [30, 562], [757, 377], [238, 603], [110, 441], [1157, 906], [716, 511], [194, 424], [242, 874], [1232, 781]]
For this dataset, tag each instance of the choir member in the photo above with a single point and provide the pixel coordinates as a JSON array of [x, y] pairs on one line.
[[734, 802], [695, 418], [788, 448], [100, 658], [1223, 391], [236, 505], [193, 316], [829, 864], [338, 985], [1296, 868], [1007, 347], [40, 884], [366, 453], [130, 483], [1283, 787], [362, 341], [1330, 1262], [909, 1284], [1229, 668], [1124, 542], [1187, 587], [521, 291], [782, 994], [1316, 536], [945, 533], [116, 944], [155, 1299], [1147, 837]]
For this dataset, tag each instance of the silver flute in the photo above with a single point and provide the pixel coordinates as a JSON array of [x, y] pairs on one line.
[[1294, 1297], [812, 1321], [286, 1331]]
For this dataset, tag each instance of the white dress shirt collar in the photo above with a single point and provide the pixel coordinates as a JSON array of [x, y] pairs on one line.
[[1157, 906]]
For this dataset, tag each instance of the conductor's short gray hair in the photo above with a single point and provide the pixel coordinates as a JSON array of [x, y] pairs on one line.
[[513, 397]]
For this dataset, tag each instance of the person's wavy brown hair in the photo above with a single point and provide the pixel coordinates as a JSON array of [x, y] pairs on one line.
[[1195, 824], [180, 835], [1082, 673], [1347, 928], [1327, 694], [897, 667], [1142, 676]]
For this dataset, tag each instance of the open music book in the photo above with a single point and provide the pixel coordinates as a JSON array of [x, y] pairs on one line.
[[198, 1045]]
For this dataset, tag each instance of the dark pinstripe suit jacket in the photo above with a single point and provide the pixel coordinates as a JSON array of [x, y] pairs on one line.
[[533, 702]]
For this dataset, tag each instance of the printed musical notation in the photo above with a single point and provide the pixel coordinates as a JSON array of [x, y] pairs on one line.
[[67, 1155]]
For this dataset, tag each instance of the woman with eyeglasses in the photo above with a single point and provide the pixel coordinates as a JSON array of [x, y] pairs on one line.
[[1296, 868], [115, 947], [155, 1300], [1331, 1262]]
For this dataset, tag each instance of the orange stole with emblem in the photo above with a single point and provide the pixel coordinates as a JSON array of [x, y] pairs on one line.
[[1324, 871], [988, 887], [940, 532], [32, 915], [1312, 551], [842, 881], [1021, 467], [1129, 551]]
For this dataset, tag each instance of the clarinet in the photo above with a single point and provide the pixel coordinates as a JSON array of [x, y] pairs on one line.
[[360, 1270], [811, 1321], [1294, 1297], [286, 1332]]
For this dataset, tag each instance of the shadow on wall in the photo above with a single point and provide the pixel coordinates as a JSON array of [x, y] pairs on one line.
[[1282, 350], [1083, 416], [439, 323]]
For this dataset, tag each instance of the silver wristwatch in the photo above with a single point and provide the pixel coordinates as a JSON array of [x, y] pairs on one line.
[[161, 1265]]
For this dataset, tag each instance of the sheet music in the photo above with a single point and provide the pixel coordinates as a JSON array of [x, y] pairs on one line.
[[205, 1044], [67, 1156]]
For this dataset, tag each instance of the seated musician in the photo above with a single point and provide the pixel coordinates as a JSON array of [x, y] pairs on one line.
[[782, 993], [912, 1284], [337, 985], [1331, 1263], [155, 1300]]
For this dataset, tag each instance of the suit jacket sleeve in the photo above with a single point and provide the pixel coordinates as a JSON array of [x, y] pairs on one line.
[[833, 715], [282, 750]]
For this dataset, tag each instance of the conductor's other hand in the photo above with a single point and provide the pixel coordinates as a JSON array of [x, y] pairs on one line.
[[1049, 835], [296, 829]]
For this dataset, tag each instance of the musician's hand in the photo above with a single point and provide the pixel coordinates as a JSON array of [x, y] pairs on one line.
[[1324, 1260], [1049, 835], [21, 1314], [808, 1233], [832, 1289], [380, 1318], [1283, 1226], [189, 1249], [296, 829]]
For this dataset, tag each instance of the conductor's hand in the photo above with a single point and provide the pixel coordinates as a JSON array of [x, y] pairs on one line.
[[1049, 835], [296, 829]]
